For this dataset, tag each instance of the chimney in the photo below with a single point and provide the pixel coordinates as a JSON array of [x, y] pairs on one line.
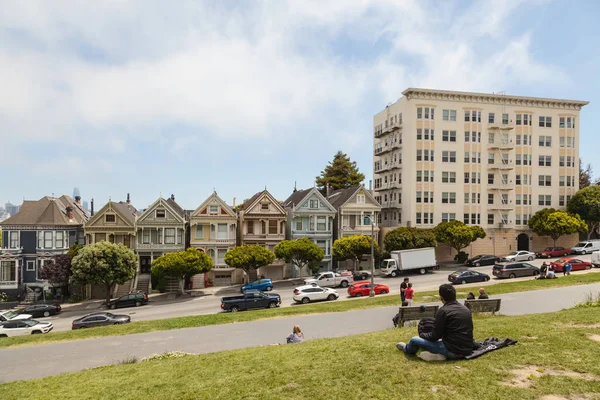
[[173, 197], [234, 202], [294, 186], [69, 210], [370, 185], [327, 190], [92, 207], [128, 199], [78, 200]]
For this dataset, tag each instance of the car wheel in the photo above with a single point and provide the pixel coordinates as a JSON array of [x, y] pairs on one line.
[[422, 271], [487, 278], [117, 323], [359, 294], [113, 306], [364, 277], [331, 297], [588, 267], [46, 313], [383, 291], [464, 282], [235, 309], [530, 258], [478, 264], [272, 304], [3, 335], [269, 288], [512, 276], [344, 284], [305, 300], [82, 327], [394, 274], [36, 332], [535, 273], [566, 254], [138, 303]]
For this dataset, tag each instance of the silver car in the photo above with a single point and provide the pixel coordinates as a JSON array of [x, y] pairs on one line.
[[520, 255]]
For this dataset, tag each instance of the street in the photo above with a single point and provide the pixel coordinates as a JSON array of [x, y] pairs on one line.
[[212, 304]]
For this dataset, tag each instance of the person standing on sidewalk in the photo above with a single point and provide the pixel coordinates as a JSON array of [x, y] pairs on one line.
[[567, 269], [409, 293], [403, 287]]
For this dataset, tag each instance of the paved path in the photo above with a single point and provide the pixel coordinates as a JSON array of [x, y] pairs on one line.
[[56, 358]]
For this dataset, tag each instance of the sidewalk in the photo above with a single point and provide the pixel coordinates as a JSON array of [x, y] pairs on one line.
[[55, 358]]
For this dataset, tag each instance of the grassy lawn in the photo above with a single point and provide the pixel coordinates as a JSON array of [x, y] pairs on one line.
[[555, 356], [338, 306]]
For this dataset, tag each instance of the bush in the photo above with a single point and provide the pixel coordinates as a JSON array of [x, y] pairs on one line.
[[461, 257], [3, 297], [74, 299]]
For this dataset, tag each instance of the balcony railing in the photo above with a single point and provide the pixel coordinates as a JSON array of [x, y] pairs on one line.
[[388, 148], [388, 129], [500, 206], [501, 125], [501, 145], [502, 185], [389, 166], [388, 186], [502, 165], [170, 246]]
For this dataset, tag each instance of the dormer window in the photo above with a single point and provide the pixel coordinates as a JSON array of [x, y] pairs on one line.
[[213, 209], [264, 206], [161, 214], [110, 218], [360, 199], [314, 204]]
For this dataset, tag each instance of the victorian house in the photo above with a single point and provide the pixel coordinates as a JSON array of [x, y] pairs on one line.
[[213, 229], [357, 213], [161, 229], [310, 215], [115, 223], [262, 221], [33, 236]]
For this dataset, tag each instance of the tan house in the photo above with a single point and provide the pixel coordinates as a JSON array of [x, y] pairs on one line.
[[115, 223], [262, 221], [161, 229], [213, 229]]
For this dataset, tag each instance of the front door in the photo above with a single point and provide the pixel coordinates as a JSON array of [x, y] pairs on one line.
[[145, 265], [523, 242]]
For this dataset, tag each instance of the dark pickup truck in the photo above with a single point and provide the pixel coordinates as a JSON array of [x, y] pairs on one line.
[[250, 299]]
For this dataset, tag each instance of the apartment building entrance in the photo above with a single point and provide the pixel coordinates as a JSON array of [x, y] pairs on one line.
[[523, 242]]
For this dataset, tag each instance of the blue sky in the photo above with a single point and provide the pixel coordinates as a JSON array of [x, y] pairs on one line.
[[152, 97]]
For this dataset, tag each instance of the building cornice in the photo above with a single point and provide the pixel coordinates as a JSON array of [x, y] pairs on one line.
[[491, 98], [41, 227]]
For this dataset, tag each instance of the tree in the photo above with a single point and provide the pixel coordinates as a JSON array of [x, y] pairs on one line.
[[300, 253], [585, 175], [341, 173], [58, 271], [74, 250], [353, 248], [181, 264], [104, 263], [457, 235], [403, 238], [554, 223], [249, 258], [586, 203]]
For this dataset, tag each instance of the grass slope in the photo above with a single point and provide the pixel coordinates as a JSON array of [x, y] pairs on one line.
[[355, 367], [339, 306]]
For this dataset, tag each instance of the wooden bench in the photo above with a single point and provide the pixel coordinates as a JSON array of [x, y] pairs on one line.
[[415, 313], [482, 306]]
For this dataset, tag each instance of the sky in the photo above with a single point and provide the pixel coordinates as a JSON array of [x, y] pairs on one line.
[[157, 98]]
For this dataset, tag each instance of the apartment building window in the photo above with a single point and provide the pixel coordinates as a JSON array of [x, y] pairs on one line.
[[447, 217], [545, 161], [561, 200], [321, 223], [449, 197], [47, 239], [419, 112], [490, 198], [569, 122], [419, 176], [169, 235], [518, 140], [476, 195], [518, 199], [475, 137], [419, 155], [518, 119], [561, 180], [467, 197], [545, 122], [427, 176], [448, 136], [491, 158], [570, 161], [427, 197], [467, 116], [505, 119], [449, 115], [490, 219], [475, 219], [448, 177], [466, 179], [544, 200], [474, 116], [570, 181], [250, 227], [199, 233], [491, 138], [466, 218], [490, 179], [527, 200], [525, 120], [545, 180], [570, 142], [569, 198], [476, 157], [419, 197], [419, 133], [518, 179], [467, 137], [427, 218], [545, 141], [449, 156], [491, 117], [467, 157], [429, 134], [273, 227]]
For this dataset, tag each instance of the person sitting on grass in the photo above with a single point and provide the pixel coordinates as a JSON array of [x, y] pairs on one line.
[[296, 336], [453, 325], [550, 274]]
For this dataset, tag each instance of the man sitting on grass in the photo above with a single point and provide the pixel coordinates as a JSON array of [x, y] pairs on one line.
[[453, 325]]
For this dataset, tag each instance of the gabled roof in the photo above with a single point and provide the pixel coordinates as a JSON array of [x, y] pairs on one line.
[[176, 207], [49, 211], [299, 196], [124, 209], [249, 204], [199, 212], [170, 203], [339, 197]]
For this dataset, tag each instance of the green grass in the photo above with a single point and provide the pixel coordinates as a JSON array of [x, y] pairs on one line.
[[338, 306], [354, 367]]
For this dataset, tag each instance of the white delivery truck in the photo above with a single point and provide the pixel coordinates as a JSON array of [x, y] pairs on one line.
[[596, 259], [586, 247], [421, 260]]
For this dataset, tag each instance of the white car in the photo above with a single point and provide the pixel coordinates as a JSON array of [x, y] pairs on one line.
[[306, 294], [12, 315], [24, 327], [330, 279], [520, 255]]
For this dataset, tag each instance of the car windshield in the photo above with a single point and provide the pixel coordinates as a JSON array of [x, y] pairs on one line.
[[561, 261], [109, 315], [548, 249], [10, 314], [580, 244], [479, 256], [514, 253]]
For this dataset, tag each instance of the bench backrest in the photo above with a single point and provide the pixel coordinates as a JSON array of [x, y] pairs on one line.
[[485, 305], [415, 313]]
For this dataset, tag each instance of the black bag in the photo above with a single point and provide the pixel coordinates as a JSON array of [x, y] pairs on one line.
[[396, 319], [426, 325]]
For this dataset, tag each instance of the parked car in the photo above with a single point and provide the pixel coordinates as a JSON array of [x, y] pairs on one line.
[[12, 315], [259, 284], [359, 289], [99, 319], [553, 252], [576, 264], [514, 269], [250, 299], [24, 327], [483, 259], [467, 277], [361, 275], [307, 293], [128, 300], [41, 310], [329, 279], [520, 255], [586, 247]]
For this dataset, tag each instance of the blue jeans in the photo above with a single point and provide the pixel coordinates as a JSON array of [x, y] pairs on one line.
[[438, 347]]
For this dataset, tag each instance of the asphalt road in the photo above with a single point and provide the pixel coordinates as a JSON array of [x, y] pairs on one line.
[[212, 304], [31, 362]]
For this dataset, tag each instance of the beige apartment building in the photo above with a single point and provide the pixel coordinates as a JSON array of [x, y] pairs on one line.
[[485, 159]]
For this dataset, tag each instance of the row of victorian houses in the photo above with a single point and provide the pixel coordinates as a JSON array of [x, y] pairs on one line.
[[49, 226]]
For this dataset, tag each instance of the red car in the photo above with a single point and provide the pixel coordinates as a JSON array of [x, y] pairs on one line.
[[553, 252], [576, 264], [359, 289]]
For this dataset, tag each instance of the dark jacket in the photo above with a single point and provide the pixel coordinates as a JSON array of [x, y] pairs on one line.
[[483, 296], [454, 325]]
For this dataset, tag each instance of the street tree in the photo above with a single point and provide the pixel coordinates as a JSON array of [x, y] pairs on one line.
[[555, 223], [249, 258], [58, 271], [300, 253], [353, 248], [341, 173], [181, 264], [405, 237], [585, 175], [458, 235], [586, 203], [104, 263]]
